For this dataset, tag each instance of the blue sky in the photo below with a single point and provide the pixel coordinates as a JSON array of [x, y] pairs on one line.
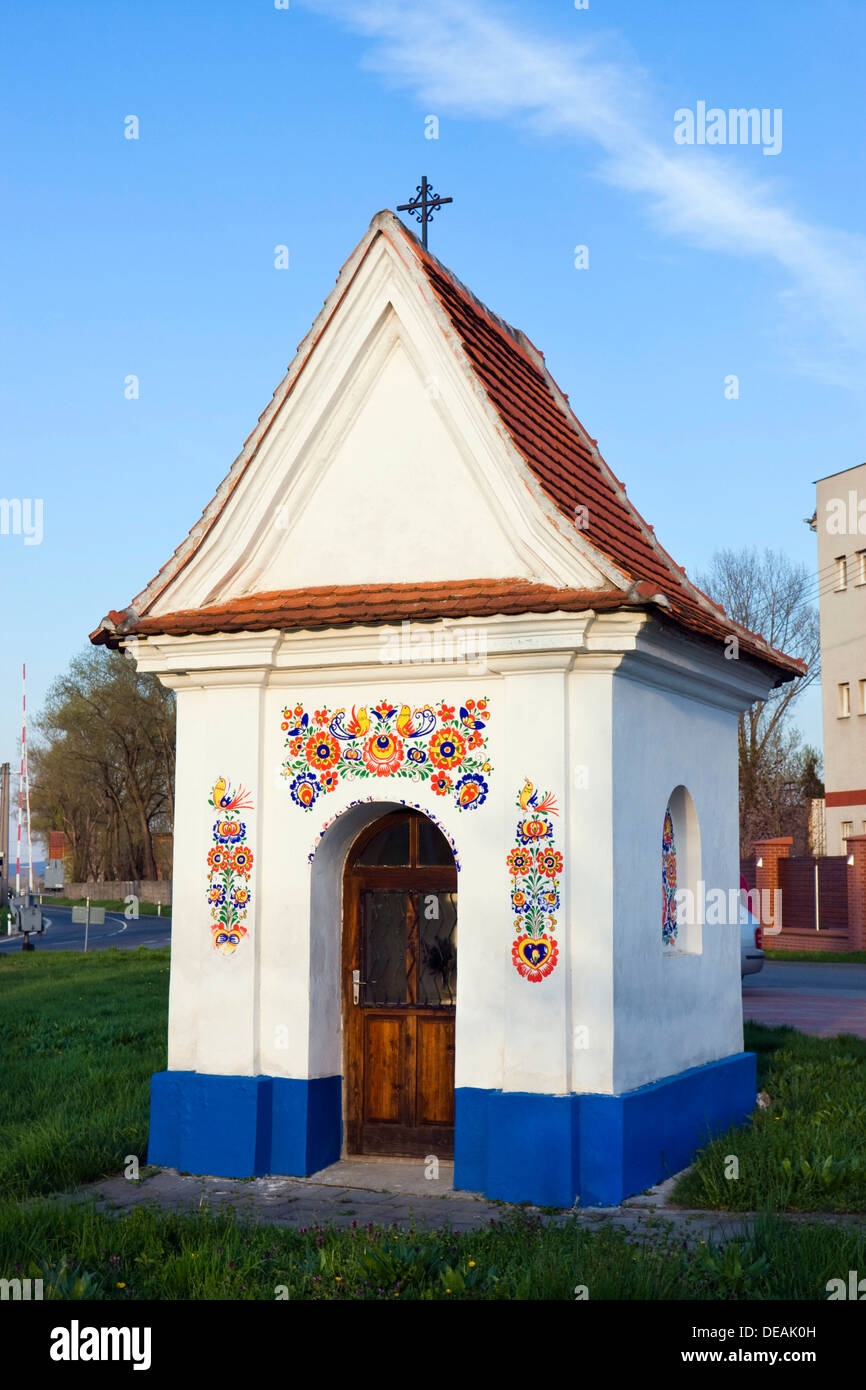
[[262, 126]]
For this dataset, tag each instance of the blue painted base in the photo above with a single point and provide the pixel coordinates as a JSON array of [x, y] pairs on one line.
[[549, 1150], [244, 1126]]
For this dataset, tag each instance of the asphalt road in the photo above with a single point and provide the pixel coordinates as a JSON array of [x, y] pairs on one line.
[[63, 935], [809, 977], [824, 999]]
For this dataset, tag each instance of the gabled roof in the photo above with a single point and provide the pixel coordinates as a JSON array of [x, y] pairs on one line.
[[563, 458]]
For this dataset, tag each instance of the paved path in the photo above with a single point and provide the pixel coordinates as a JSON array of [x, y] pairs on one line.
[[818, 998], [356, 1192]]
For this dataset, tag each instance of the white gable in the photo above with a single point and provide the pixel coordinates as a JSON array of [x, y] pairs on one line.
[[381, 460]]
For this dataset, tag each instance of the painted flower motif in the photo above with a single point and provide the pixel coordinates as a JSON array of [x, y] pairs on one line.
[[352, 755], [441, 784], [227, 942], [550, 862], [229, 832], [216, 894], [383, 754], [534, 956], [533, 829], [304, 789], [475, 739], [519, 861], [217, 859], [416, 755], [385, 709], [445, 713], [240, 896], [519, 900], [447, 748], [471, 791], [550, 900], [296, 746], [322, 751], [242, 860], [328, 780], [322, 716]]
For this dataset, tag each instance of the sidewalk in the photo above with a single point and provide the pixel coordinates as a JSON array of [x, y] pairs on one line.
[[395, 1192]]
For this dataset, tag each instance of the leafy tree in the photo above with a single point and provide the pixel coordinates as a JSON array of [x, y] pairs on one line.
[[769, 594], [103, 767]]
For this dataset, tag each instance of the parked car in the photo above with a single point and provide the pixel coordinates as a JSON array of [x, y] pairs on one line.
[[751, 941]]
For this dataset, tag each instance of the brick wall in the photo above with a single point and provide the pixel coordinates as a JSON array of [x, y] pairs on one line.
[[841, 919], [147, 891]]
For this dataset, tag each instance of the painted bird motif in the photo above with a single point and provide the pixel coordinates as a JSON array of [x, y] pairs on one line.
[[355, 727], [468, 719], [528, 800], [224, 799], [407, 725]]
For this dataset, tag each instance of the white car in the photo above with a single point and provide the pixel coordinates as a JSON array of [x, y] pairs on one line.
[[751, 944]]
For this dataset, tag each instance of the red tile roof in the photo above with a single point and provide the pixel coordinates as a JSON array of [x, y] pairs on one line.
[[561, 456], [371, 604]]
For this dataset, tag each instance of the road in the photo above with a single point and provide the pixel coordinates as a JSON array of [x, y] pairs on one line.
[[814, 997], [64, 935]]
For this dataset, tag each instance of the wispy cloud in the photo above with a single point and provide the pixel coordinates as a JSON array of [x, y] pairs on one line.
[[458, 57]]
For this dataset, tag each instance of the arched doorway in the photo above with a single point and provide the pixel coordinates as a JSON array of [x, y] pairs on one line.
[[399, 988]]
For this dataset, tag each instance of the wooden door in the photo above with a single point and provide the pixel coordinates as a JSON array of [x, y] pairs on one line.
[[400, 988]]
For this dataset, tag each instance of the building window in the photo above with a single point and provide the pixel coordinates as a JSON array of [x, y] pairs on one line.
[[841, 572], [844, 700], [669, 881], [847, 829], [863, 697], [682, 901], [861, 566]]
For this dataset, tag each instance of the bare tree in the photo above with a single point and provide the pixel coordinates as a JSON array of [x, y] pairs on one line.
[[103, 769], [769, 594]]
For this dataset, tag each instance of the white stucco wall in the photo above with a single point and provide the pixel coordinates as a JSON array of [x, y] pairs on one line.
[[610, 724], [678, 1008]]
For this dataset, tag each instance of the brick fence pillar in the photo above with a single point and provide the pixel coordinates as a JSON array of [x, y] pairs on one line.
[[767, 856], [857, 893]]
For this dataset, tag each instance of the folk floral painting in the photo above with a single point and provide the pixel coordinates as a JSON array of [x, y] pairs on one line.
[[534, 866], [443, 745], [669, 881], [230, 863]]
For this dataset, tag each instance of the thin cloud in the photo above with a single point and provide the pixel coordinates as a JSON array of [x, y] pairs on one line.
[[461, 59]]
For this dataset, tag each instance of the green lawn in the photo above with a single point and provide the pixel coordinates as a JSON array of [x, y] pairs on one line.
[[80, 1253], [110, 904], [819, 957], [807, 1152], [81, 1036]]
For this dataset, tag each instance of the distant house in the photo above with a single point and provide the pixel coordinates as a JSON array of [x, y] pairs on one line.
[[840, 523], [55, 867]]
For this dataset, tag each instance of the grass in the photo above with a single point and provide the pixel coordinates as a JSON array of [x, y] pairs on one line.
[[820, 957], [82, 1253], [110, 904], [81, 1036], [807, 1152]]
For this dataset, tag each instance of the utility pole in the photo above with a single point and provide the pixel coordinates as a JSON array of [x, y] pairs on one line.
[[4, 834]]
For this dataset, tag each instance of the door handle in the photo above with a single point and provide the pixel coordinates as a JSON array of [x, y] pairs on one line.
[[357, 982]]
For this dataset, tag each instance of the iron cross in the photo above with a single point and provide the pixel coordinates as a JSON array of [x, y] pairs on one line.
[[424, 206]]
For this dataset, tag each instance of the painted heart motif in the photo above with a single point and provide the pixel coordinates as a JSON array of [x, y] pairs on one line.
[[534, 952], [534, 957]]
